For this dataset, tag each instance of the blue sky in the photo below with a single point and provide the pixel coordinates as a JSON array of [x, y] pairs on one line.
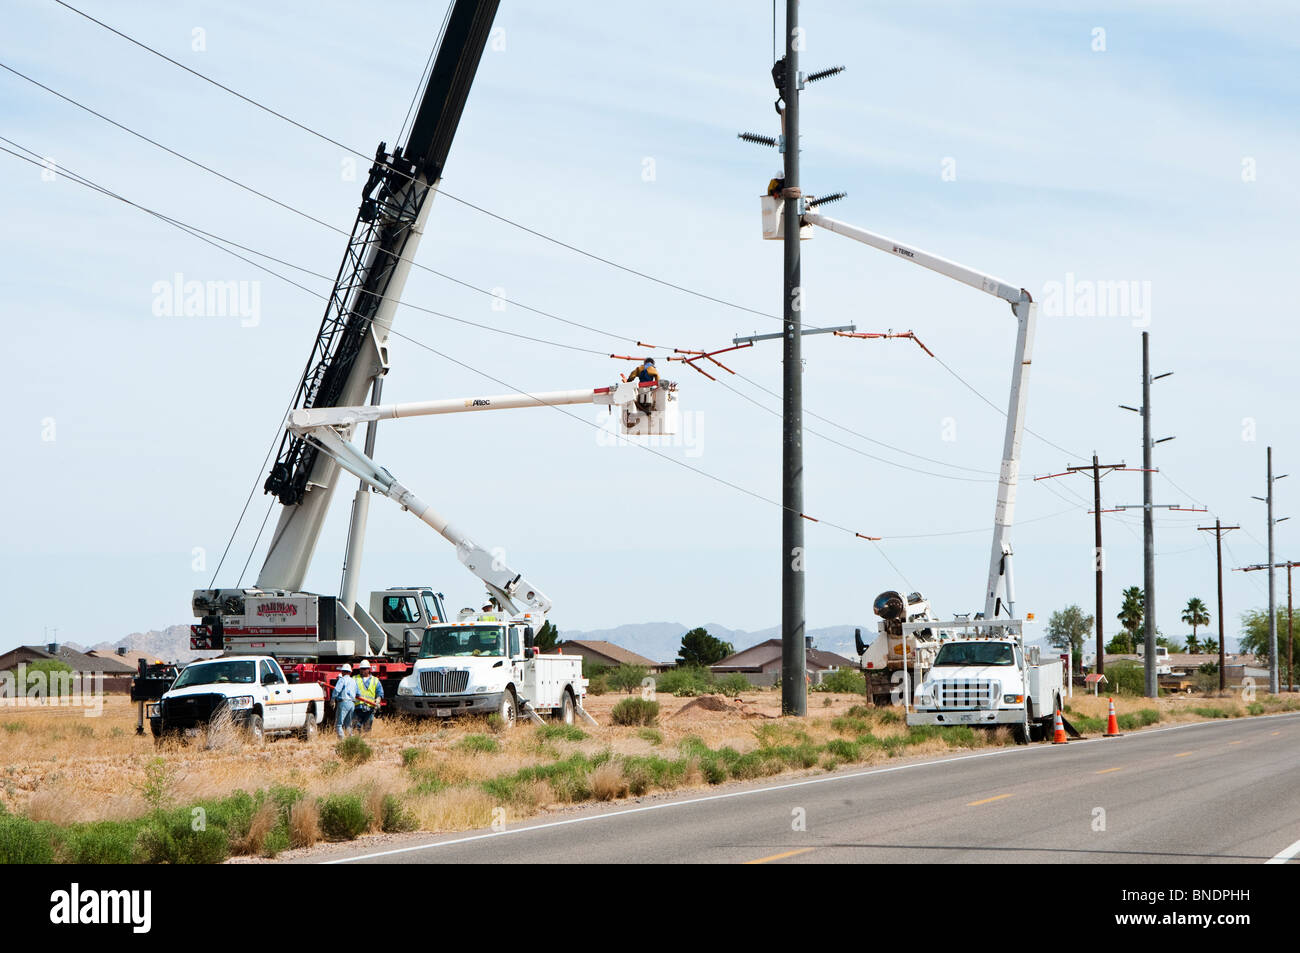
[[1117, 165]]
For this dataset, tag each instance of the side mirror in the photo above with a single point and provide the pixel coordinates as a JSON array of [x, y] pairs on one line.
[[857, 641], [293, 677], [529, 652], [528, 637]]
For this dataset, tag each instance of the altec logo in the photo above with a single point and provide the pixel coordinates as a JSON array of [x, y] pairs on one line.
[[77, 906], [277, 608]]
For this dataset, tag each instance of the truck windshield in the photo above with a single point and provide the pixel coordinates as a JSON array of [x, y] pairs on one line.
[[243, 672], [462, 640], [976, 653]]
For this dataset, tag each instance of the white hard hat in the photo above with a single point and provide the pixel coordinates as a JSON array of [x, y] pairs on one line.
[[364, 663], [345, 667]]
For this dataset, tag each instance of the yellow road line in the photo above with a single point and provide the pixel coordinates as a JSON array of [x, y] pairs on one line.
[[1277, 732], [788, 853], [1184, 754], [1234, 742], [987, 800], [1109, 770]]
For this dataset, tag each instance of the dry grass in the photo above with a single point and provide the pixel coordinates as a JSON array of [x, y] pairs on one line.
[[608, 782], [304, 824], [455, 809]]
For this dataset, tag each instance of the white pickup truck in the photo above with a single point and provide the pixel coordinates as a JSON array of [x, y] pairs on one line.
[[989, 680], [483, 665], [251, 689]]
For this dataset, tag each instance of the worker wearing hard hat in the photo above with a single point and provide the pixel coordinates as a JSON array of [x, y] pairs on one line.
[[345, 700], [645, 372], [369, 694]]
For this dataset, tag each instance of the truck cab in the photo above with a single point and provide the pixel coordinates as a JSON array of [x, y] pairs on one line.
[[989, 680], [483, 665], [251, 690]]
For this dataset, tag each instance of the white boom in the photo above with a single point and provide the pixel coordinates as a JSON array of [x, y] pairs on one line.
[[1000, 591], [326, 428]]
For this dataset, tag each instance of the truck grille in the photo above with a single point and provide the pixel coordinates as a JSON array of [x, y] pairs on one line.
[[968, 693], [444, 683], [190, 710]]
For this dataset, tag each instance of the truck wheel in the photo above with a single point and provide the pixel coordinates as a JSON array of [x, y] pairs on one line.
[[509, 709], [1021, 731], [255, 733], [308, 732], [568, 709]]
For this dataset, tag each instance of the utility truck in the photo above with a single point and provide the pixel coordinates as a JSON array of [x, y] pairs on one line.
[[914, 643], [250, 691]]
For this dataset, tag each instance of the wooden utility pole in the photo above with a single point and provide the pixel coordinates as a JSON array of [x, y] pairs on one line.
[[1219, 529]]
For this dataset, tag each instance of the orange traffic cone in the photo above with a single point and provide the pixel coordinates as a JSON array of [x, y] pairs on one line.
[[1112, 726], [1058, 730]]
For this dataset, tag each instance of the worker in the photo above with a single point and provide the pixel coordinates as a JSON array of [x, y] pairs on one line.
[[488, 613], [345, 700], [776, 185], [645, 372], [369, 694]]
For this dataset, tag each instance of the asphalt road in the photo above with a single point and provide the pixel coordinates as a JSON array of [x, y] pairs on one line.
[[1220, 791]]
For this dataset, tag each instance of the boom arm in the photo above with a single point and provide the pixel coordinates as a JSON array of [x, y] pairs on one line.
[[1000, 592]]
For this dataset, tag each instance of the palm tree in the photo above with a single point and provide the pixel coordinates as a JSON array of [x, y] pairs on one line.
[[1195, 615], [1193, 645], [1131, 613], [1210, 647]]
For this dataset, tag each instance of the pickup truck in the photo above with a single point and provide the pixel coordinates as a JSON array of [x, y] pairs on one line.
[[485, 666], [251, 689]]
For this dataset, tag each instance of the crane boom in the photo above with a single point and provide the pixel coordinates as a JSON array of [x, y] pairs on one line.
[[350, 353], [999, 600]]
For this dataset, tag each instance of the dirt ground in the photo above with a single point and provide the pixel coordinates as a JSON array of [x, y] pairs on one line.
[[56, 764]]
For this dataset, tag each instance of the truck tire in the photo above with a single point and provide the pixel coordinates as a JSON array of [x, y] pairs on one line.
[[568, 709], [508, 709], [309, 728], [1021, 731], [254, 729]]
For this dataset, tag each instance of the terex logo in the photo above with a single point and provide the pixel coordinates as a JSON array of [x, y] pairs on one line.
[[277, 608], [75, 906], [903, 251]]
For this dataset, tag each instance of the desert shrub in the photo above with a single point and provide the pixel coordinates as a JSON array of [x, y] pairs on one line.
[[101, 842], [343, 816], [170, 838], [394, 818], [685, 681], [635, 711], [1127, 678], [353, 750], [650, 735], [554, 731], [409, 756], [732, 685], [843, 681], [626, 678], [643, 773], [1138, 719], [24, 841], [480, 744], [844, 750]]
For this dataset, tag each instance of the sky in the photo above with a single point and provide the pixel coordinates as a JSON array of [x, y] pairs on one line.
[[1151, 144]]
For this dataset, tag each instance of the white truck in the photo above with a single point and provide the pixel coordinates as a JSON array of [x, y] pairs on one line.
[[481, 665], [980, 674], [251, 690]]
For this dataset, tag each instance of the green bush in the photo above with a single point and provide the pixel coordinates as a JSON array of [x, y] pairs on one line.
[[650, 735], [562, 732], [1138, 719], [170, 838], [353, 749], [343, 816], [24, 841], [732, 685], [685, 681], [483, 744], [409, 756], [1127, 678], [102, 842], [597, 685], [843, 681], [395, 818], [626, 678], [635, 711]]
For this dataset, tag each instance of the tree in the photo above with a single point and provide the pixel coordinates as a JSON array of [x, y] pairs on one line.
[[1120, 644], [1254, 637], [1067, 629], [546, 637], [626, 677], [1131, 613], [701, 649], [1210, 646], [1195, 615], [1194, 644]]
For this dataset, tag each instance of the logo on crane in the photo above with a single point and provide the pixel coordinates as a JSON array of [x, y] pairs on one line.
[[277, 608]]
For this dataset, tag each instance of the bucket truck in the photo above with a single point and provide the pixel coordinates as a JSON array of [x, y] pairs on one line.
[[346, 366], [914, 643]]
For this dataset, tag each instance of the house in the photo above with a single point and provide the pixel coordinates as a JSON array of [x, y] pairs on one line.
[[117, 674], [761, 663], [597, 652]]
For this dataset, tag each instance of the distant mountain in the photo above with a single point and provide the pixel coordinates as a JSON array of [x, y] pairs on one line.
[[171, 644]]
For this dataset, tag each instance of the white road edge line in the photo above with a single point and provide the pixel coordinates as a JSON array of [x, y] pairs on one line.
[[792, 784], [1286, 854]]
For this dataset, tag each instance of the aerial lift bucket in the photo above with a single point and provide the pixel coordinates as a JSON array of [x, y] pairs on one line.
[[653, 413], [774, 220]]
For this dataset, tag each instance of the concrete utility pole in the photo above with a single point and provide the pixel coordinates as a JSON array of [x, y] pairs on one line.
[[1274, 662], [1272, 588], [1219, 529], [794, 689]]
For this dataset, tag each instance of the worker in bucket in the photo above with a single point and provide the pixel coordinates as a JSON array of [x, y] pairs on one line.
[[369, 694], [645, 372], [345, 699]]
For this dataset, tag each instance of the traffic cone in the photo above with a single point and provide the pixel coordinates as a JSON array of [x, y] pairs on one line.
[[1058, 730], [1112, 726]]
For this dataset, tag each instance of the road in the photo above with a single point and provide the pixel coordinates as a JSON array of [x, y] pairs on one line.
[[1217, 791]]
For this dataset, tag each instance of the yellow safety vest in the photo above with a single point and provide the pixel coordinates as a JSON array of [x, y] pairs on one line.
[[368, 688]]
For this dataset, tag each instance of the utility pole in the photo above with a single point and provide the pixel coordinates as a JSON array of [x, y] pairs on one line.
[[794, 689], [1219, 529], [1290, 626], [1148, 520], [1272, 591], [1098, 561]]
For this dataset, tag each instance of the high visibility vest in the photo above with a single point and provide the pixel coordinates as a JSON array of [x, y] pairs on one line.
[[368, 688]]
